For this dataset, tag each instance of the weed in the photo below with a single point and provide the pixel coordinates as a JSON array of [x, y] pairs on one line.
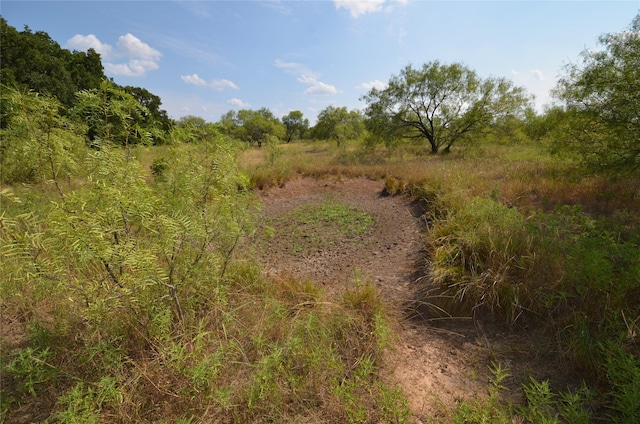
[[339, 223], [490, 410], [483, 255], [79, 406], [393, 404], [84, 403], [623, 373], [32, 369], [159, 167]]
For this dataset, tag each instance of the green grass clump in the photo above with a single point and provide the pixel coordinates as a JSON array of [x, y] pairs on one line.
[[484, 259], [318, 226], [542, 405]]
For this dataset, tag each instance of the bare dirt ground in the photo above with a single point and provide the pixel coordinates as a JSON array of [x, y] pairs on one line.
[[436, 363]]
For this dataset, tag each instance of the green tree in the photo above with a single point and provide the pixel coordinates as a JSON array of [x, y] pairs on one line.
[[35, 61], [540, 127], [156, 117], [113, 116], [339, 124], [440, 104], [86, 69], [193, 129], [295, 124], [601, 97], [252, 126]]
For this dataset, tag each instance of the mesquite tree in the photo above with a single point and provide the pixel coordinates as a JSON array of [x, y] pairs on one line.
[[601, 99], [440, 104]]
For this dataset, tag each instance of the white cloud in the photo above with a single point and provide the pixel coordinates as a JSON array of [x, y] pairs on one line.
[[132, 47], [537, 74], [315, 86], [362, 7], [222, 84], [294, 68], [86, 42], [141, 56], [319, 87], [238, 103], [377, 84], [219, 85], [193, 79], [133, 68], [359, 7], [306, 76]]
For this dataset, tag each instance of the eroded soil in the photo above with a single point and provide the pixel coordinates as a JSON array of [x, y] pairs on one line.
[[436, 363]]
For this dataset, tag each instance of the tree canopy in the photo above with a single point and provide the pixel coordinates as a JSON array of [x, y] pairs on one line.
[[111, 115], [35, 61], [252, 126], [32, 61], [601, 96], [339, 123], [440, 104], [295, 124]]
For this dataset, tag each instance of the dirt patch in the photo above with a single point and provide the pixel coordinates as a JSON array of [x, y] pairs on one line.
[[436, 365]]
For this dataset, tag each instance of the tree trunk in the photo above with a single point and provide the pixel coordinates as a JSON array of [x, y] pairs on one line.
[[432, 142]]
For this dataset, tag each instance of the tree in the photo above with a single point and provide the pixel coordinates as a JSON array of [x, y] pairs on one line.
[[112, 116], [339, 124], [295, 124], [192, 129], [156, 117], [35, 61], [252, 126], [601, 97], [440, 104]]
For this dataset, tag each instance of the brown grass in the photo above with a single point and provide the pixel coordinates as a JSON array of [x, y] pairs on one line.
[[522, 176]]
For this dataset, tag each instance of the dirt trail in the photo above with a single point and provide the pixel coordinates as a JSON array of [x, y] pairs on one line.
[[435, 365]]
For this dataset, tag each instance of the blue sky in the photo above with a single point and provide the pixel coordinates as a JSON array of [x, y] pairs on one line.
[[205, 58]]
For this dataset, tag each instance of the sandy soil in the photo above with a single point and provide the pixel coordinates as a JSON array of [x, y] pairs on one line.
[[436, 363]]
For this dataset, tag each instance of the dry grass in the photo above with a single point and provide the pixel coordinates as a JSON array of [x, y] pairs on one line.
[[522, 176]]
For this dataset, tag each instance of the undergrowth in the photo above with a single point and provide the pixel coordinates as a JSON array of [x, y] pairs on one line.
[[124, 298], [517, 235]]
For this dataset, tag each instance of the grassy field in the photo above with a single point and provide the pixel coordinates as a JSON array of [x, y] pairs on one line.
[[520, 236], [125, 297]]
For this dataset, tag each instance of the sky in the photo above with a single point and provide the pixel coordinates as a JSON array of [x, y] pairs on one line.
[[204, 58]]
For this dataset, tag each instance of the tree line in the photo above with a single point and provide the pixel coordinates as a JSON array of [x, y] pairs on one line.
[[435, 105]]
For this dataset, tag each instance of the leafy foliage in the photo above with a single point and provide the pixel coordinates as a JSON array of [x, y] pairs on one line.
[[37, 143], [295, 123], [252, 126], [602, 102], [113, 116], [339, 124], [35, 61], [440, 104]]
